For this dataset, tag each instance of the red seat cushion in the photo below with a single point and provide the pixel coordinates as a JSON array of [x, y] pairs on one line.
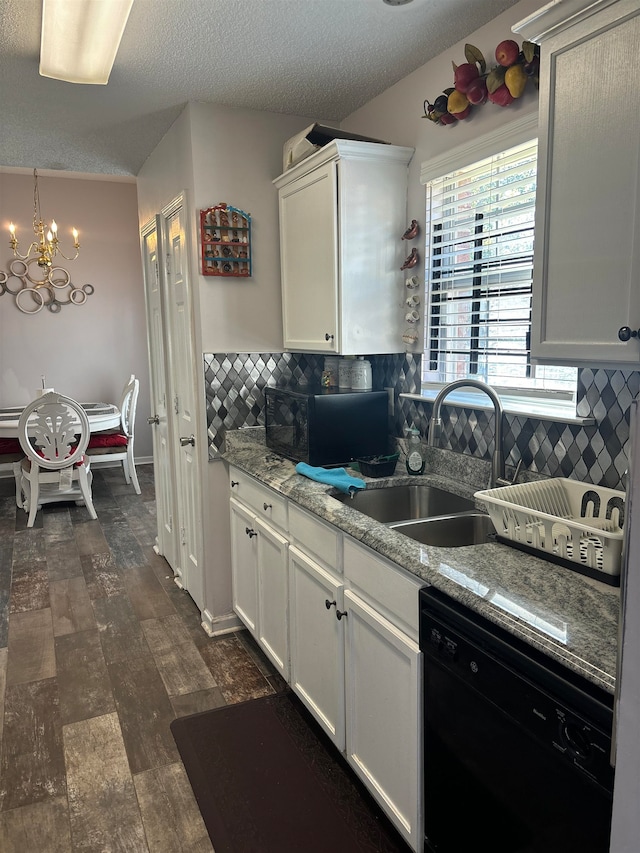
[[116, 439], [10, 445]]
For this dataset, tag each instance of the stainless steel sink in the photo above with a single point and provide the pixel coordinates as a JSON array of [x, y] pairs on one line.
[[470, 528], [403, 503]]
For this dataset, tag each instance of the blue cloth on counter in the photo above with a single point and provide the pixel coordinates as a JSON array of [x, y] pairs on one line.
[[336, 477]]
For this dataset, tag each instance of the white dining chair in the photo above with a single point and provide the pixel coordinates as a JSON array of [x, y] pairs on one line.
[[117, 445], [53, 432]]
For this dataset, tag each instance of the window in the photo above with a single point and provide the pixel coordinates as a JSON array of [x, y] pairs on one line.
[[479, 264]]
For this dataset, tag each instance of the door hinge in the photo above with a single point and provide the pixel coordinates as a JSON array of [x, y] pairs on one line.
[[183, 535], [168, 266], [176, 406]]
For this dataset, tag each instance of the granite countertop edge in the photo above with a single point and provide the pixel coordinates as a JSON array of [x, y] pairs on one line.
[[571, 618]]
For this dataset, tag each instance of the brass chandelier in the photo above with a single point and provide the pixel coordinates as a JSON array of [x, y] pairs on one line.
[[46, 245]]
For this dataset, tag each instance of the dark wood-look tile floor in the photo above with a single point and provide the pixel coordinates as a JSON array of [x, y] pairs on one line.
[[99, 652]]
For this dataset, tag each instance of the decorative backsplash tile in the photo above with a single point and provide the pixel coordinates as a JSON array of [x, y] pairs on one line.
[[235, 385], [596, 454]]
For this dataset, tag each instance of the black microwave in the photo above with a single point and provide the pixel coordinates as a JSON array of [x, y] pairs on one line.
[[326, 426]]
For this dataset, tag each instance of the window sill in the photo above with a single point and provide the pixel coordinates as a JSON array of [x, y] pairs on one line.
[[544, 410]]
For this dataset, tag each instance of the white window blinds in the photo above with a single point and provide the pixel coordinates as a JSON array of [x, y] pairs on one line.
[[479, 264]]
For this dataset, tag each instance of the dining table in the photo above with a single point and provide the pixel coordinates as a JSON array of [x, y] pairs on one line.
[[101, 416]]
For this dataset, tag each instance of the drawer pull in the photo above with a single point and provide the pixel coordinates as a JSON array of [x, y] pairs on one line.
[[267, 506], [340, 614], [329, 604], [250, 533], [235, 483]]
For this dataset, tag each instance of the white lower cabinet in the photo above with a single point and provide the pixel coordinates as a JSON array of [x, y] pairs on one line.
[[244, 564], [273, 597], [383, 679], [341, 625], [259, 578], [317, 642]]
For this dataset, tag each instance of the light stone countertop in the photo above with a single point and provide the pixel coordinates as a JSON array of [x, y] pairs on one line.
[[569, 617]]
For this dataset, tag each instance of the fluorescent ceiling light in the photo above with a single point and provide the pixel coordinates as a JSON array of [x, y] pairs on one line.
[[80, 38]]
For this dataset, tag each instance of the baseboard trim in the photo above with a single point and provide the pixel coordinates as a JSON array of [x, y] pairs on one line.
[[215, 626]]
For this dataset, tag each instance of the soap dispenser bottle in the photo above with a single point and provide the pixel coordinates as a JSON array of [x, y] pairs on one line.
[[415, 461]]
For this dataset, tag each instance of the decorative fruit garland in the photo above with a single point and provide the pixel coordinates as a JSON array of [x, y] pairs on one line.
[[473, 85]]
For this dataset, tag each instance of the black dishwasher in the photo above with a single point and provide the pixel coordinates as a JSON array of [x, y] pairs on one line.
[[516, 747]]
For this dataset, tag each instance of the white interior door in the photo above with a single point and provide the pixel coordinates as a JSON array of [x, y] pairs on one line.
[[162, 461], [182, 409]]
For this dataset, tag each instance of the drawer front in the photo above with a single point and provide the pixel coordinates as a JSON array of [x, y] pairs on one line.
[[322, 541], [391, 591], [265, 502]]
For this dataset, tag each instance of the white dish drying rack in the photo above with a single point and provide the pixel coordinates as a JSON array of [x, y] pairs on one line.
[[575, 524]]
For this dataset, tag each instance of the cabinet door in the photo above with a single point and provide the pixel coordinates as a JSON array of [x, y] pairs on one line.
[[309, 258], [273, 588], [383, 680], [317, 643], [244, 562], [587, 262]]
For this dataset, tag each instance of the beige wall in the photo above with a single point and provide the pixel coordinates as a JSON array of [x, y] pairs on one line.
[[86, 351], [218, 154]]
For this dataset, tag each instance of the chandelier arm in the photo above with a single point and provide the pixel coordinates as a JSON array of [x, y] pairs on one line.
[[60, 252], [34, 247]]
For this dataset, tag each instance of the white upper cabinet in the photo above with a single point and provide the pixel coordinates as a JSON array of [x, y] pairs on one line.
[[342, 217], [586, 290]]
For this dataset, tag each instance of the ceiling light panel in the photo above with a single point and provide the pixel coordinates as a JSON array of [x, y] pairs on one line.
[[80, 41]]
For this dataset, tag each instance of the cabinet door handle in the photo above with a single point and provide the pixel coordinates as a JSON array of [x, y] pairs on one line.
[[267, 506], [328, 337], [625, 333], [340, 614], [329, 604], [184, 441], [235, 483], [250, 533], [154, 420]]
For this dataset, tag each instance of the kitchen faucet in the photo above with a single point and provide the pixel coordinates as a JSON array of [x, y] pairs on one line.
[[497, 462]]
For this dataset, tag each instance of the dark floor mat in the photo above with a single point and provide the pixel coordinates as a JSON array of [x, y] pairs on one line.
[[267, 781]]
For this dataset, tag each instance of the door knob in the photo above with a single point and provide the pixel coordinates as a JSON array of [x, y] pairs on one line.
[[154, 420], [625, 333], [191, 440]]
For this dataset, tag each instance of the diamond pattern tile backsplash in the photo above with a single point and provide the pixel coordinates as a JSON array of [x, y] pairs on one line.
[[597, 454]]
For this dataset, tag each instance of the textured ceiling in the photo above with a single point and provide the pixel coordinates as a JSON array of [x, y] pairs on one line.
[[317, 58]]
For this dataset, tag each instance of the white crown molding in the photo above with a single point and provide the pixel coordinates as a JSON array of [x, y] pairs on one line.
[[516, 132], [60, 173], [555, 17], [349, 148]]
